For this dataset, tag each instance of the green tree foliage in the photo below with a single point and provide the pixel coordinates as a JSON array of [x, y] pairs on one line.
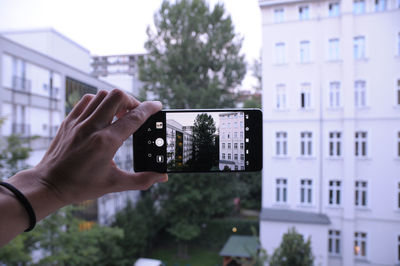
[[293, 251], [193, 58], [15, 252], [250, 192], [204, 142], [140, 224], [66, 243]]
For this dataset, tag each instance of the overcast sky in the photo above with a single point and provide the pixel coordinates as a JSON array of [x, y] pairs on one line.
[[108, 27]]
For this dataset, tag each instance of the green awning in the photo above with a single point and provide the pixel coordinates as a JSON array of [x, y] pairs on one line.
[[240, 246]]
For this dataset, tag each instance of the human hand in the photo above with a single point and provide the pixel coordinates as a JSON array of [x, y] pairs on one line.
[[79, 163]]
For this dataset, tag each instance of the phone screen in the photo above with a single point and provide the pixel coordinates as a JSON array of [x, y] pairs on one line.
[[200, 141]]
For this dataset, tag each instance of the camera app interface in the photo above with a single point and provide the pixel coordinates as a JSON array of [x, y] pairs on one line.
[[206, 141]]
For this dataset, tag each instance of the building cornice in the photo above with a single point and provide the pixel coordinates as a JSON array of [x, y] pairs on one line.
[[267, 3]]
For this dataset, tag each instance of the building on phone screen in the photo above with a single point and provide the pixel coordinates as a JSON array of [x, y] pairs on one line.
[[179, 143], [231, 144]]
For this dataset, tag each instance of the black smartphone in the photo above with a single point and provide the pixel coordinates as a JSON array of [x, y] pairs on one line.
[[216, 140]]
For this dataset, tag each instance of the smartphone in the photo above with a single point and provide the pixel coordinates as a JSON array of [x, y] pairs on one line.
[[199, 140]]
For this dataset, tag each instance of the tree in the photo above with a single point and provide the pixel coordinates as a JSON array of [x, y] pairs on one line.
[[140, 224], [193, 58], [293, 251], [66, 241], [204, 142]]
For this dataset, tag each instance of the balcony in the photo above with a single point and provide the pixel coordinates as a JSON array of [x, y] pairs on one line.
[[21, 84]]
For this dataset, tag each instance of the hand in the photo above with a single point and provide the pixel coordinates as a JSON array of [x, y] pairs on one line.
[[79, 163]]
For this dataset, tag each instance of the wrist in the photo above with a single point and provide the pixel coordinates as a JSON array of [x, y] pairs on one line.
[[43, 198]]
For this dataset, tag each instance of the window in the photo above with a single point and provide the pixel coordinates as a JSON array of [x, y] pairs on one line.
[[335, 142], [334, 9], [281, 144], [304, 51], [333, 49], [241, 146], [361, 144], [242, 157], [380, 5], [398, 91], [279, 15], [306, 143], [223, 145], [223, 156], [235, 135], [398, 40], [398, 195], [359, 7], [281, 190], [305, 96], [235, 146], [398, 248], [360, 244], [304, 13], [361, 194], [235, 157], [281, 96], [306, 191], [334, 94], [335, 187], [398, 144], [360, 94], [229, 145], [359, 47], [334, 242], [229, 156], [241, 135], [280, 53]]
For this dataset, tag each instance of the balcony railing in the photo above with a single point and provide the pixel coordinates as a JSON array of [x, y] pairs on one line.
[[21, 84], [23, 130]]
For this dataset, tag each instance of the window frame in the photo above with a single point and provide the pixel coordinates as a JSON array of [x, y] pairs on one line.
[[334, 242], [334, 95], [361, 194], [279, 15], [304, 15], [360, 238], [333, 49], [335, 144], [306, 191], [305, 96], [281, 143], [281, 99], [304, 51], [280, 53], [360, 94], [333, 12], [359, 45], [335, 192], [306, 144], [361, 144], [281, 190], [359, 7]]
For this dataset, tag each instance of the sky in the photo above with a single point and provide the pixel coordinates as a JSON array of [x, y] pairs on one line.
[[108, 27]]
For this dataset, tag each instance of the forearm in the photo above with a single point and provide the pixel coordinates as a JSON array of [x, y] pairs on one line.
[[14, 217]]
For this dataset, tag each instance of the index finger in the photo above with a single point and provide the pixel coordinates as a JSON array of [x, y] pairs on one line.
[[132, 120]]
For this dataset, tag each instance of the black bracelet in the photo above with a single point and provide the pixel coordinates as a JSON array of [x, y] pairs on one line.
[[24, 201]]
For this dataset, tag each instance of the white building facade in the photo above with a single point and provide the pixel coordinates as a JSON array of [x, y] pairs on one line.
[[37, 89], [182, 137], [231, 141], [331, 102]]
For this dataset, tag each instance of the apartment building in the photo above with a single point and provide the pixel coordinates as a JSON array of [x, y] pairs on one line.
[[42, 75], [331, 102], [231, 144], [179, 143]]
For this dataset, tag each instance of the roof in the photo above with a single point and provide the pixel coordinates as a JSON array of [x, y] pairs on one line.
[[291, 216], [240, 246]]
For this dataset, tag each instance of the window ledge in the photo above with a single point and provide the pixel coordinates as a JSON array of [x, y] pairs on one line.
[[362, 209], [363, 260], [281, 157], [334, 207], [306, 206], [280, 64], [334, 158], [281, 205], [334, 61], [334, 109], [335, 256], [361, 60], [362, 108], [305, 63], [363, 158], [309, 109], [284, 110], [306, 158]]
